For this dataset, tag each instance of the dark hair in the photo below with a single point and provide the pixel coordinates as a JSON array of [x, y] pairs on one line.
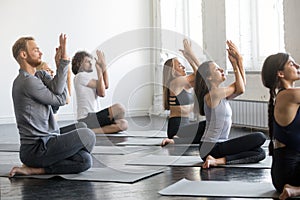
[[20, 45], [271, 66], [201, 86], [78, 59], [167, 78]]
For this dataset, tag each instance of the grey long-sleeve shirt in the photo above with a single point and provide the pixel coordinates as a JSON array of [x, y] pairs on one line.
[[33, 97]]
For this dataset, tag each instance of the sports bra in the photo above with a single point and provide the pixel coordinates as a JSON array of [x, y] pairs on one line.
[[290, 134], [183, 98]]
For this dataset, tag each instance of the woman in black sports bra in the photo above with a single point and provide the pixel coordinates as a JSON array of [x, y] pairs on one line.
[[279, 74], [178, 90]]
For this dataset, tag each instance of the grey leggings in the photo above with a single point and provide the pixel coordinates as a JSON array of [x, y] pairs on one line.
[[66, 153]]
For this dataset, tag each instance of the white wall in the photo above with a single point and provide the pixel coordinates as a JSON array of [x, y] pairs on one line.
[[106, 24], [88, 24]]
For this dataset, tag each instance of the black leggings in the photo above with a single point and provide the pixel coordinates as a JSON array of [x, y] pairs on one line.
[[174, 123], [98, 119], [285, 168], [191, 133], [244, 149]]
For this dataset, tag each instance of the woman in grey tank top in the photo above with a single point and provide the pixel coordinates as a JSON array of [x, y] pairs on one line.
[[215, 147]]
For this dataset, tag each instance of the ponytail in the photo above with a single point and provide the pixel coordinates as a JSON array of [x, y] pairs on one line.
[[167, 78], [201, 87], [271, 119], [271, 66]]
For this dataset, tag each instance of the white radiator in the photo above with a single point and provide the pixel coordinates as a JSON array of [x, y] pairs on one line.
[[249, 113]]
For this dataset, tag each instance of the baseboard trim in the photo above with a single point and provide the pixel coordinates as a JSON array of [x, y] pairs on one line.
[[72, 116], [7, 120]]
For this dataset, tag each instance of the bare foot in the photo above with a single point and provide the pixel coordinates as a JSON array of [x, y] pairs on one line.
[[289, 191], [211, 161], [24, 170], [167, 141]]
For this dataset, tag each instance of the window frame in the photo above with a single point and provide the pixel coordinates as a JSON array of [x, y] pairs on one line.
[[249, 43]]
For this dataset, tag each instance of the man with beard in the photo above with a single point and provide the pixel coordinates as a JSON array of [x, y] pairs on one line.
[[88, 89], [45, 148]]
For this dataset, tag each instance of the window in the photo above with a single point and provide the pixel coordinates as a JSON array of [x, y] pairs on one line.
[[256, 26], [177, 19], [180, 19]]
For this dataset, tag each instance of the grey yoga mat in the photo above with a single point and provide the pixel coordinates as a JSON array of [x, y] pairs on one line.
[[239, 189], [9, 147], [107, 174], [161, 160], [141, 142], [117, 150], [166, 160], [140, 133], [264, 164], [147, 133]]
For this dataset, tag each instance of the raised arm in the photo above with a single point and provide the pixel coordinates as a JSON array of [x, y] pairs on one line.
[[63, 46], [69, 84], [239, 59], [188, 53], [236, 59], [58, 83], [102, 76], [102, 63]]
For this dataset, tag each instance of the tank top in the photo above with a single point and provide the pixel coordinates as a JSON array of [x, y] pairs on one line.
[[290, 134], [218, 122]]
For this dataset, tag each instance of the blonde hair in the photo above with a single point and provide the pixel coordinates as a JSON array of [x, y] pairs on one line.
[[44, 66], [168, 76], [41, 66]]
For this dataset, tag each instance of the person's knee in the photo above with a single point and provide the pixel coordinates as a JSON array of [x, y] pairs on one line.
[[261, 154], [87, 162], [81, 125], [123, 124], [91, 137], [118, 109], [87, 137], [261, 136]]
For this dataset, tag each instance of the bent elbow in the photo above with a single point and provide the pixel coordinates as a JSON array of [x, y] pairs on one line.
[[241, 91], [101, 94]]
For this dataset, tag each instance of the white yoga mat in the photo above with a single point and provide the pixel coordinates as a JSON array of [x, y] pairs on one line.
[[117, 150], [161, 160], [238, 189], [121, 175], [131, 141]]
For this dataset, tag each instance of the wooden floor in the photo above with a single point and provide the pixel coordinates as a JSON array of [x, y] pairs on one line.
[[58, 188]]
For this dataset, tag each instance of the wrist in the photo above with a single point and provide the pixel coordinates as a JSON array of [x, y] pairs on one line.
[[235, 70]]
